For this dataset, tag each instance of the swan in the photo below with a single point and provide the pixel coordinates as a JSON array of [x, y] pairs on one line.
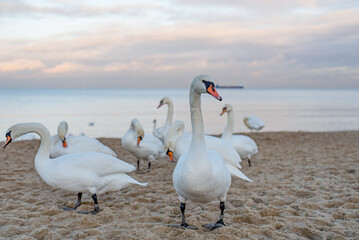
[[91, 172], [140, 145], [162, 131], [244, 145], [201, 175], [61, 145], [178, 142], [253, 122]]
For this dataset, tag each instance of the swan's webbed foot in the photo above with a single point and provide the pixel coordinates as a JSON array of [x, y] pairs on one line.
[[96, 206], [183, 226], [95, 211], [213, 226], [79, 195], [220, 222], [69, 208]]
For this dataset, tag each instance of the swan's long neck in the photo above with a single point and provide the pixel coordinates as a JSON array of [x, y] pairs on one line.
[[169, 114], [229, 129], [196, 119], [45, 146]]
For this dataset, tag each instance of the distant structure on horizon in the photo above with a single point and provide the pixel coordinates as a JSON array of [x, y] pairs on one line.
[[230, 86]]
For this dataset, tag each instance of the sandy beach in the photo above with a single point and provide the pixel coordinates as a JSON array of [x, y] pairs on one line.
[[305, 186]]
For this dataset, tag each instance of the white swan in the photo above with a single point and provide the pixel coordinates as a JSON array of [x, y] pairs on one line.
[[162, 131], [178, 142], [201, 175], [61, 145], [140, 145], [253, 122], [92, 172], [244, 145]]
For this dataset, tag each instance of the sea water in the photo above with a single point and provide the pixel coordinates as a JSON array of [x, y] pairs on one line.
[[108, 112]]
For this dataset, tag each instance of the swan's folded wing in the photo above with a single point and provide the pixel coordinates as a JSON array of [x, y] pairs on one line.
[[158, 133], [100, 163]]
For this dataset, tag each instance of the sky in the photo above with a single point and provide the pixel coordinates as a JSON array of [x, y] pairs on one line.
[[166, 43]]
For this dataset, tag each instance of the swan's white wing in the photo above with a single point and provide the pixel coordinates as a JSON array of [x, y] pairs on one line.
[[255, 122], [80, 144], [99, 163], [158, 133], [226, 150], [244, 145]]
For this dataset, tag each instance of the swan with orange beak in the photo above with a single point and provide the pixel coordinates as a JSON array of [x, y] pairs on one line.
[[141, 145]]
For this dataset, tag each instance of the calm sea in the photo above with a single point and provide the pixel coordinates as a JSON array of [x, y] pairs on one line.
[[108, 112]]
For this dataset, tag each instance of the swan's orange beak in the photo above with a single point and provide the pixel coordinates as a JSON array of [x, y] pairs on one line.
[[139, 140], [64, 143], [212, 90], [8, 139], [160, 105], [170, 154], [224, 110]]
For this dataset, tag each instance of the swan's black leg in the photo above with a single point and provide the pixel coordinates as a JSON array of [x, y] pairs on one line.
[[249, 162], [220, 222], [183, 224], [138, 164], [79, 195], [149, 166], [96, 206]]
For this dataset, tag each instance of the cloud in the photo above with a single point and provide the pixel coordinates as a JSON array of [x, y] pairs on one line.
[[20, 65], [66, 67], [229, 39]]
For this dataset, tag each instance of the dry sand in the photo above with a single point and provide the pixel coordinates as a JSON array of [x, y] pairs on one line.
[[306, 186]]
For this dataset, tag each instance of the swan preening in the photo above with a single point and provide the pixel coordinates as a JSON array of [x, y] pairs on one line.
[[162, 131], [92, 172], [253, 122], [244, 145], [62, 144], [201, 175], [141, 145]]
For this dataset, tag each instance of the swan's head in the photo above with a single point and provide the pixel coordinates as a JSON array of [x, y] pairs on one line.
[[62, 132], [176, 130], [16, 131], [165, 100], [169, 151], [203, 84], [9, 137], [226, 108], [137, 126]]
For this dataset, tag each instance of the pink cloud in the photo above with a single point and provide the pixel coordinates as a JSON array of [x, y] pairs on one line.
[[20, 65], [66, 67]]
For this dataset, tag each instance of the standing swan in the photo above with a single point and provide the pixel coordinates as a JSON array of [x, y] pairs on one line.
[[162, 131], [75, 144], [253, 122], [178, 142], [92, 172], [201, 175], [142, 146], [244, 145]]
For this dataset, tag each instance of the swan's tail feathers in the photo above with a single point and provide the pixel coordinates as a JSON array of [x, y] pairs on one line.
[[116, 182], [134, 181], [237, 173]]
